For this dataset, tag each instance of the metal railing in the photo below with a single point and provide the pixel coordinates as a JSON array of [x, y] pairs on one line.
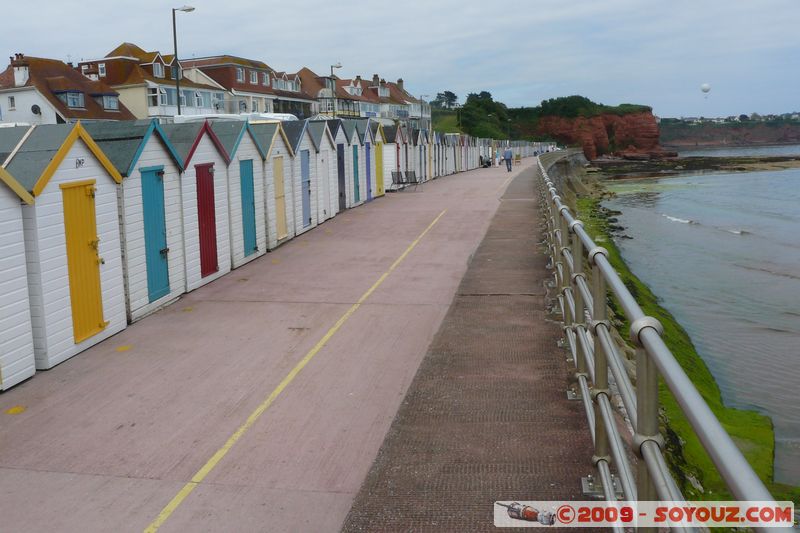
[[588, 332]]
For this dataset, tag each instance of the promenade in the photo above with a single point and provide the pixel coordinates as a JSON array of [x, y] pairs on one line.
[[260, 402]]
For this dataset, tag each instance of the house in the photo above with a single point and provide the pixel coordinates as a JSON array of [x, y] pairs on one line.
[[36, 90], [278, 183], [17, 362], [72, 240], [304, 174], [417, 113], [290, 96], [328, 185], [344, 166], [247, 204], [146, 85], [204, 197], [150, 213], [247, 82]]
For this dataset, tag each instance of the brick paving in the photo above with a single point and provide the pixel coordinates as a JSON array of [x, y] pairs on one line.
[[486, 417]]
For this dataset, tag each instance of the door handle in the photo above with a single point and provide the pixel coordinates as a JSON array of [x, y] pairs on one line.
[[164, 251], [95, 244]]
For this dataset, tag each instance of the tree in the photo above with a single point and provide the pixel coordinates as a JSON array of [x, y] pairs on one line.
[[448, 99]]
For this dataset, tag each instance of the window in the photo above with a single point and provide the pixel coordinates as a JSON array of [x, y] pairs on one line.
[[219, 101], [254, 77], [206, 97], [110, 103], [101, 70], [198, 99], [74, 99], [265, 79], [240, 74], [12, 103], [84, 68], [187, 97], [152, 96], [158, 70], [167, 96], [255, 105]]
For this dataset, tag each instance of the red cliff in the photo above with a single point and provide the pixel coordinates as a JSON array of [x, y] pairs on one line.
[[632, 135]]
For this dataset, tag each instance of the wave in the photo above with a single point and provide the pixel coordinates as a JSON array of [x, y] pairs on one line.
[[681, 220], [736, 231], [765, 270]]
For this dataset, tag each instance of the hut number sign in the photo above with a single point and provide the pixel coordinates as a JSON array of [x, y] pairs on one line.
[[79, 162]]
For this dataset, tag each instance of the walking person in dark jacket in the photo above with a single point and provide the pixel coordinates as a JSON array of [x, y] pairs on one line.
[[508, 155]]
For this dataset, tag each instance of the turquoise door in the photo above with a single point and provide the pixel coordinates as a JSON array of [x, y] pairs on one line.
[[248, 206], [356, 190], [155, 233], [369, 172], [305, 175]]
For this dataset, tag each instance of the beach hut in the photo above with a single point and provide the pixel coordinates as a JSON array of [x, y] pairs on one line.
[[304, 174], [368, 156], [245, 172], [391, 162], [17, 362], [379, 136], [149, 202], [204, 192], [357, 190], [72, 240], [278, 184], [344, 170], [328, 185]]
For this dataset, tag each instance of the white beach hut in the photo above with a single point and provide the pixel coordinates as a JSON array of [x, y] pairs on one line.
[[355, 153], [204, 195], [304, 173], [328, 185], [344, 165], [72, 241], [17, 362], [278, 182]]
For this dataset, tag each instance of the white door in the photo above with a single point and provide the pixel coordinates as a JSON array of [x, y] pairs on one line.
[[325, 211]]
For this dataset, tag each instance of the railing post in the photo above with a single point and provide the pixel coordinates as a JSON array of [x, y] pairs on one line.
[[599, 316], [646, 407], [579, 320]]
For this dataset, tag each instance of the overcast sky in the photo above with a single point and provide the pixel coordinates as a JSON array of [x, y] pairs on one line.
[[522, 51]]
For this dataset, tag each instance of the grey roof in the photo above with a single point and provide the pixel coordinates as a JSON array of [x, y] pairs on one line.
[[334, 125], [351, 130], [362, 124], [37, 152], [391, 133], [120, 141], [264, 133], [317, 130], [228, 132], [294, 132], [183, 136], [9, 139]]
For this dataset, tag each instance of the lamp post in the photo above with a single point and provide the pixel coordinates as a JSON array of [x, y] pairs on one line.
[[422, 98], [333, 86], [184, 9]]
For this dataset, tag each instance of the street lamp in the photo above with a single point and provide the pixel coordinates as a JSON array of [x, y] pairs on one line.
[[333, 86], [422, 98], [184, 9]]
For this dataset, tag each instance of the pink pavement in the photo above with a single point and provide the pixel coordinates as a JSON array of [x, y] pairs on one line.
[[109, 437]]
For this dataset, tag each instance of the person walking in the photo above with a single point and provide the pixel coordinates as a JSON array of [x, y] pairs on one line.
[[508, 155]]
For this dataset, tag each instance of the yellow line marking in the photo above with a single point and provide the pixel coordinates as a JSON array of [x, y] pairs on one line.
[[124, 348], [276, 261], [206, 469], [16, 410], [502, 186], [188, 309]]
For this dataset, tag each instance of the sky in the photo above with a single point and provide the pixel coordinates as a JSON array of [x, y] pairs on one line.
[[656, 53]]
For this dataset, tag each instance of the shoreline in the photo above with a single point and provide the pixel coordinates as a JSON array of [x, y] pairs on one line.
[[753, 431], [619, 170]]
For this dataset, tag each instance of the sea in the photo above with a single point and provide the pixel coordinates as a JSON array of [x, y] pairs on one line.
[[722, 252]]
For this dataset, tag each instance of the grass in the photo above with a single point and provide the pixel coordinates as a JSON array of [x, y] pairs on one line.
[[751, 431], [445, 121]]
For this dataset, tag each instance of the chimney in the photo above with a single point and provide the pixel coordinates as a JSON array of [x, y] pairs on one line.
[[358, 79], [400, 84], [375, 80], [21, 70]]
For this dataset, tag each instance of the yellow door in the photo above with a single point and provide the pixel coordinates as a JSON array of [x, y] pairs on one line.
[[379, 169], [280, 198], [83, 259]]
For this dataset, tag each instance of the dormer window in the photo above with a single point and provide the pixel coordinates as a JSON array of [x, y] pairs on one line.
[[240, 74], [158, 70], [101, 70], [73, 99], [254, 77], [110, 103]]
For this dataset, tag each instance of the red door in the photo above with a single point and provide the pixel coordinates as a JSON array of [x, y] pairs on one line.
[[206, 218]]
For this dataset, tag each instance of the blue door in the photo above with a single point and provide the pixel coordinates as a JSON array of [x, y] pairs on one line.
[[155, 233], [369, 173], [248, 206], [356, 185], [305, 174]]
